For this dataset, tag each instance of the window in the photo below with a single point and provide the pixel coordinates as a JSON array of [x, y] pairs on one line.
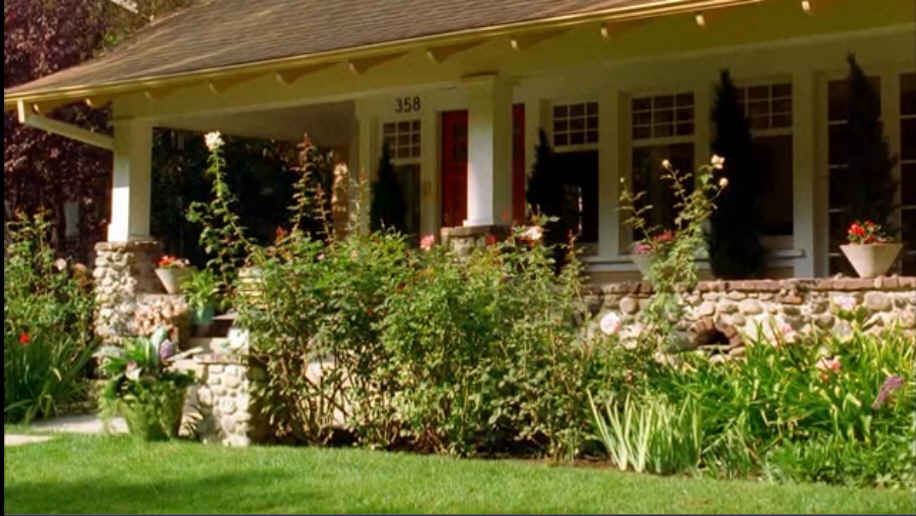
[[579, 171], [575, 124], [908, 170], [837, 164], [768, 108], [403, 138], [662, 116], [662, 128]]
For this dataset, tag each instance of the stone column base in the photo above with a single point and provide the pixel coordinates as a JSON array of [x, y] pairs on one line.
[[462, 239]]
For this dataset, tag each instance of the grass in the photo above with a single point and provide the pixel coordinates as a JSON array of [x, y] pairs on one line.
[[115, 474]]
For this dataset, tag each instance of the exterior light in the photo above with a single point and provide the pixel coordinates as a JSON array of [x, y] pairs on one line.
[[701, 20], [806, 6]]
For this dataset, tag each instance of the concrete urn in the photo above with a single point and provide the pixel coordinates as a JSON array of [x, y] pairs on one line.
[[871, 260]]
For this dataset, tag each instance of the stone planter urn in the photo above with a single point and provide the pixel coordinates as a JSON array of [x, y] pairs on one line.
[[643, 262], [172, 277], [871, 260]]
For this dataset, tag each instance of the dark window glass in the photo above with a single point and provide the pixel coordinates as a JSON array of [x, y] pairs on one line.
[[580, 173]]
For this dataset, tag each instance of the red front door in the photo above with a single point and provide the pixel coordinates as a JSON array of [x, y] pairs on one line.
[[454, 168]]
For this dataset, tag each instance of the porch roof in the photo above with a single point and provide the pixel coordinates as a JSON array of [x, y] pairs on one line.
[[217, 39]]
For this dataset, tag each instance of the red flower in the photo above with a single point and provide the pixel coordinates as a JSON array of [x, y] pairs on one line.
[[491, 239], [24, 338]]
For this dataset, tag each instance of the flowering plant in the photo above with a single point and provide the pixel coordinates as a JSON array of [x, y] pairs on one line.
[[657, 243], [141, 387], [168, 261], [866, 233]]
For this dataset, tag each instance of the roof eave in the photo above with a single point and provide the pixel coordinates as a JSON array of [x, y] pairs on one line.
[[79, 92]]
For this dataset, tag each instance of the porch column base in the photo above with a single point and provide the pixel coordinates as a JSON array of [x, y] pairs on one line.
[[130, 298], [462, 239]]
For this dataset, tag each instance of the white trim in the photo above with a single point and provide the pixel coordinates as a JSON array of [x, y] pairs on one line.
[[63, 129]]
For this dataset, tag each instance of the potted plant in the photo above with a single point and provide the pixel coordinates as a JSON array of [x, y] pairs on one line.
[[141, 388], [201, 289], [645, 251], [172, 271], [870, 251]]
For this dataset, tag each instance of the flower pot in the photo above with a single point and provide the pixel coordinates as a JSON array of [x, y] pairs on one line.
[[871, 260], [202, 318], [154, 418], [643, 262], [172, 277]]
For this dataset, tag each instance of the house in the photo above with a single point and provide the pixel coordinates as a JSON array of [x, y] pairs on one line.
[[460, 89]]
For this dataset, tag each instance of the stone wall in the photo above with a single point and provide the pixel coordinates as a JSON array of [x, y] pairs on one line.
[[462, 239], [123, 271], [720, 314]]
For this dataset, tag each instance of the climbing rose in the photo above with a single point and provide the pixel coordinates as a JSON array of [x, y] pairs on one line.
[[213, 140], [610, 323], [427, 242]]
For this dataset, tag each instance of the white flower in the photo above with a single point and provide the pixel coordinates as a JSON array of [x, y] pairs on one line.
[[666, 164], [847, 303], [717, 162], [610, 323], [723, 182], [214, 140], [533, 233]]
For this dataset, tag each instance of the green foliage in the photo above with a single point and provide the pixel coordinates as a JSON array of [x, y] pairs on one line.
[[201, 290], [788, 404], [388, 206], [673, 269], [142, 388], [869, 178], [47, 324], [734, 244]]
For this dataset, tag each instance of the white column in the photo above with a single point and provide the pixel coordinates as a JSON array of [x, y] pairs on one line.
[[489, 149], [131, 185], [804, 171], [609, 152]]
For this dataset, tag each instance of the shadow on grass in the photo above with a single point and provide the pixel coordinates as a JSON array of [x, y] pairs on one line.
[[230, 493]]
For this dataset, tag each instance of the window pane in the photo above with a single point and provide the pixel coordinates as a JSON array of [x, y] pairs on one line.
[[403, 126], [665, 115], [782, 120], [663, 101], [592, 136], [592, 122], [837, 100], [580, 176], [577, 110], [647, 171], [685, 129], [577, 124], [560, 139], [908, 183], [592, 108], [685, 99], [908, 94], [662, 131], [773, 155], [838, 153], [641, 132], [782, 90], [409, 178], [642, 104], [560, 111], [908, 139], [388, 128], [642, 118], [839, 195]]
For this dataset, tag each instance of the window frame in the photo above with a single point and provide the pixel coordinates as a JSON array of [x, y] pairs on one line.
[[411, 119], [570, 101], [901, 117]]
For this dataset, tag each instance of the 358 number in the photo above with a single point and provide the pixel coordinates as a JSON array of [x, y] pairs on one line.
[[407, 104]]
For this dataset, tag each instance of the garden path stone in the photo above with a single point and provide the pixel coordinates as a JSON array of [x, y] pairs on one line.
[[83, 424], [19, 439]]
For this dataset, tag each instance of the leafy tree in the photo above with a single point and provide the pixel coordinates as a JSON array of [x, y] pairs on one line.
[[388, 207], [734, 244], [546, 195], [870, 185]]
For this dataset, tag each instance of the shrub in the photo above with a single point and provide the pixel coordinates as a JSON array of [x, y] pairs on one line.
[[47, 324]]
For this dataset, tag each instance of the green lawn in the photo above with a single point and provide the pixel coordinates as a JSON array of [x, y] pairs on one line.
[[81, 474]]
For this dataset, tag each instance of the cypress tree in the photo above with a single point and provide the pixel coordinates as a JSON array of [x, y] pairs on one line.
[[734, 244], [387, 208], [870, 185]]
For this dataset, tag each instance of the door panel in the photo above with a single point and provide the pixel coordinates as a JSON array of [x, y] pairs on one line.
[[454, 167]]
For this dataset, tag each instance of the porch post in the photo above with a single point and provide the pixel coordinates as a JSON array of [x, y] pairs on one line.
[[804, 172], [131, 183], [489, 150]]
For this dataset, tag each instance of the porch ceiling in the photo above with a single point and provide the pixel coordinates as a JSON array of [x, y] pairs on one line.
[[331, 124], [219, 38]]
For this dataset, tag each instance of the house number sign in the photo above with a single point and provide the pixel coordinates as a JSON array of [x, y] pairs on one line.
[[407, 105]]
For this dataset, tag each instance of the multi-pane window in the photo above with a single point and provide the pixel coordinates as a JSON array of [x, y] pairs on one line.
[[768, 108], [662, 116], [838, 168], [403, 138], [908, 170], [575, 124], [662, 128]]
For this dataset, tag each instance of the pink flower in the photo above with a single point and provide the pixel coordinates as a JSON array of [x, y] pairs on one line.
[[642, 248], [427, 242], [321, 257], [847, 303], [610, 323], [829, 364], [788, 333]]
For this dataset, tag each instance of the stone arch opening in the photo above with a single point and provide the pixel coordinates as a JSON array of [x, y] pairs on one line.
[[708, 332]]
